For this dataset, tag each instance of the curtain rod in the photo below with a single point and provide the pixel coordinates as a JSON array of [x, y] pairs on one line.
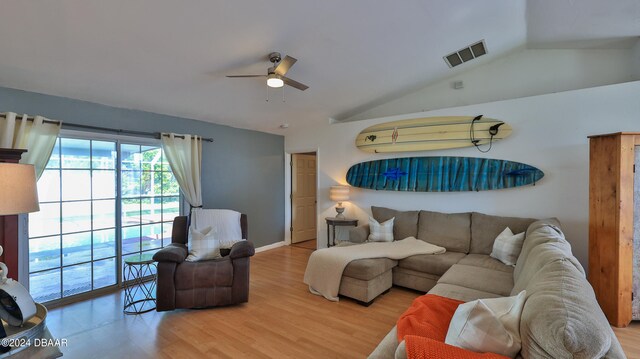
[[114, 130]]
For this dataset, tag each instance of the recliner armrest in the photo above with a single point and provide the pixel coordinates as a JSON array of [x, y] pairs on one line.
[[359, 234], [242, 249], [174, 252]]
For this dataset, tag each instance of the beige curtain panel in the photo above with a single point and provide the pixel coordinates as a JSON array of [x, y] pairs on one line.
[[184, 154], [37, 137]]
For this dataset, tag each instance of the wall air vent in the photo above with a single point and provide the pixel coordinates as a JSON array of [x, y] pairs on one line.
[[467, 54]]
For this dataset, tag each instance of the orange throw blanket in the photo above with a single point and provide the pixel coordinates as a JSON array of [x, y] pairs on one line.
[[428, 316], [424, 328], [426, 348]]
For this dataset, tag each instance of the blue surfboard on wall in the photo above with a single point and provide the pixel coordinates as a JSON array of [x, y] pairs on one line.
[[441, 174]]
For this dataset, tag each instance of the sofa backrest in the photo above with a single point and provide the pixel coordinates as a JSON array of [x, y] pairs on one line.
[[485, 228], [405, 223], [545, 239], [561, 316], [448, 230], [457, 232]]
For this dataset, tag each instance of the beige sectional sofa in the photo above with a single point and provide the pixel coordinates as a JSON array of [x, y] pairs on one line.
[[561, 317], [468, 238]]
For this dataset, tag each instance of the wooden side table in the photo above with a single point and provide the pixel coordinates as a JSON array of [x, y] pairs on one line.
[[334, 222]]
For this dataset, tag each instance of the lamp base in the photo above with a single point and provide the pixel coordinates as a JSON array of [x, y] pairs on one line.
[[340, 210]]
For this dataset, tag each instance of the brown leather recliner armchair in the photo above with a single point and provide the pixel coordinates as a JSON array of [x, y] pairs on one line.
[[216, 282]]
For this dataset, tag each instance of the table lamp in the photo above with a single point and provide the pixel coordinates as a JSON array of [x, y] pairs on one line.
[[18, 189], [339, 194], [18, 194]]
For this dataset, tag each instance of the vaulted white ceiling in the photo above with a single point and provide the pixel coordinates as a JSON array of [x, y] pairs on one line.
[[171, 57]]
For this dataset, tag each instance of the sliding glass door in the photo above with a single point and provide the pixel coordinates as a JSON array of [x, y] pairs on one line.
[[99, 201], [150, 200]]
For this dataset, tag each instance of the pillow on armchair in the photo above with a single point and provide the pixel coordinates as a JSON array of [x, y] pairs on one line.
[[202, 245]]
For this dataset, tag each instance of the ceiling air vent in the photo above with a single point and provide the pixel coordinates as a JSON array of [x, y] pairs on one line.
[[468, 53]]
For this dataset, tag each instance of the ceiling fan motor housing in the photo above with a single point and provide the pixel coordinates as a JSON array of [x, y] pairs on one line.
[[274, 57]]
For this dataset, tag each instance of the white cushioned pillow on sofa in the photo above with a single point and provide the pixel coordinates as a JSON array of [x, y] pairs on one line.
[[202, 245], [381, 232], [507, 247], [488, 325]]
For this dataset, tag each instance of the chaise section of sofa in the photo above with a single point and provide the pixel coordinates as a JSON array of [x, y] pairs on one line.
[[365, 279], [561, 317]]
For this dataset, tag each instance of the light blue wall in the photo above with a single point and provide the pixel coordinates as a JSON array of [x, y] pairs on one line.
[[241, 170]]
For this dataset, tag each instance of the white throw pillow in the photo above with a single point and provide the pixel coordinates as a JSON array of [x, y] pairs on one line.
[[381, 232], [507, 247], [488, 325], [202, 245]]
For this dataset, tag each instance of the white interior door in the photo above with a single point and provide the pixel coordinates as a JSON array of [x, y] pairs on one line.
[[303, 197]]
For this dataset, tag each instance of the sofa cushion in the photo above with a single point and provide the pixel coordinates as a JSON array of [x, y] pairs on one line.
[[561, 317], [485, 229], [419, 281], [484, 279], [449, 230], [485, 261], [359, 234], [436, 264], [367, 269], [405, 224], [461, 293]]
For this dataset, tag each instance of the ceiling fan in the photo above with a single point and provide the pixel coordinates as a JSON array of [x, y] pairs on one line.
[[275, 74]]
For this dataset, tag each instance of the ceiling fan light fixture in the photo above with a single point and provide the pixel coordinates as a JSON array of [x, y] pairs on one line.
[[274, 81]]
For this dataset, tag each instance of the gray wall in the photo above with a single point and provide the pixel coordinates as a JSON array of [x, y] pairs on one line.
[[241, 170]]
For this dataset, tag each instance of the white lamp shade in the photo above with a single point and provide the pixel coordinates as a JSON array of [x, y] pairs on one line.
[[339, 193], [18, 189]]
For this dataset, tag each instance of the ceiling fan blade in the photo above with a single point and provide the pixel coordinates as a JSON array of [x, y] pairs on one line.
[[234, 76], [293, 83], [285, 65]]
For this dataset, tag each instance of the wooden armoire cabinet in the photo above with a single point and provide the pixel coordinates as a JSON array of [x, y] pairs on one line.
[[611, 222]]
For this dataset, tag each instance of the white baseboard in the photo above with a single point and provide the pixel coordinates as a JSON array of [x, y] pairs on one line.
[[269, 246]]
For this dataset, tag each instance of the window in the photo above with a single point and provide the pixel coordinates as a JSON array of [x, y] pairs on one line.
[[99, 201]]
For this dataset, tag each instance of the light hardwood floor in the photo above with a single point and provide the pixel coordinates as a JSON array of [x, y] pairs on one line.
[[310, 244], [281, 320]]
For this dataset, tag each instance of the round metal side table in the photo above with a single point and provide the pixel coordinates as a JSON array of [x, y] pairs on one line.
[[136, 273]]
